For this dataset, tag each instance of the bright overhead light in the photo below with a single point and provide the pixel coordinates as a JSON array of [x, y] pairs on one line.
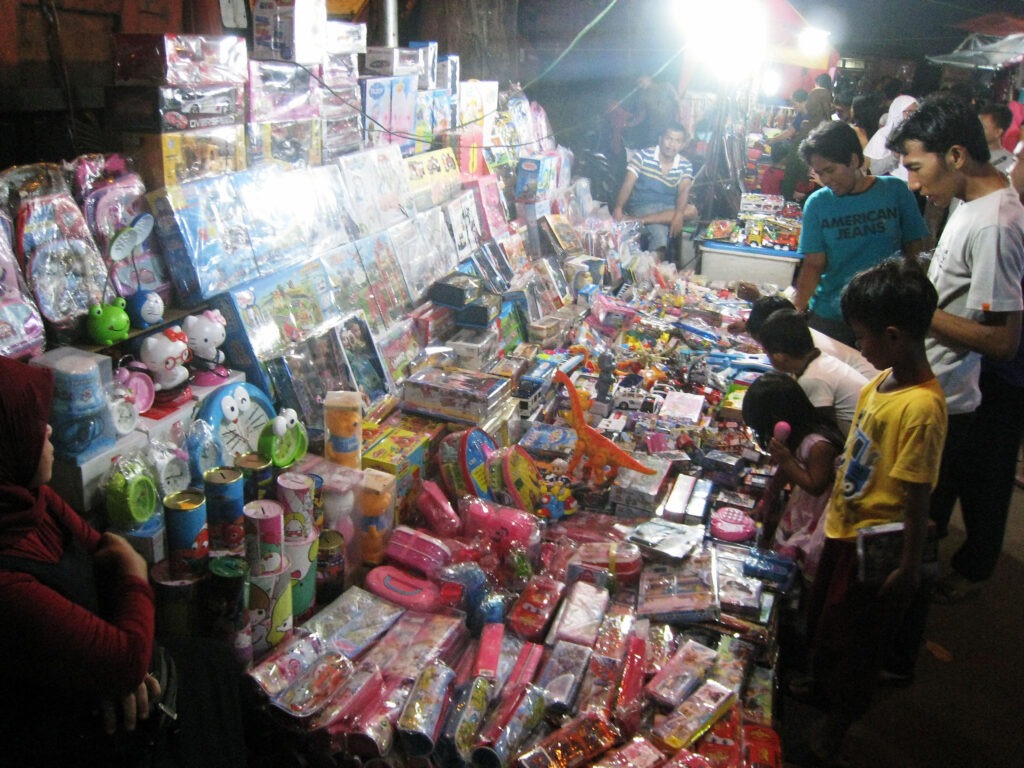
[[813, 41], [728, 37], [771, 82]]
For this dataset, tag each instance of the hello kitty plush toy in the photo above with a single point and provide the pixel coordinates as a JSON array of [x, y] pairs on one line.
[[165, 354], [206, 332]]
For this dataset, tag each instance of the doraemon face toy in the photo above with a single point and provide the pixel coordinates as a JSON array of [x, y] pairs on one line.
[[145, 308]]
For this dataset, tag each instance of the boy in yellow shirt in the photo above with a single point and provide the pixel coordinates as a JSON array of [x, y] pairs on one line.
[[890, 465]]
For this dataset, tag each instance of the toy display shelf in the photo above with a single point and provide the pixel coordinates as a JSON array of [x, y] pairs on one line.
[[729, 261]]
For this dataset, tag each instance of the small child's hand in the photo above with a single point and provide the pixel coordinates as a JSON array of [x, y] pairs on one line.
[[779, 452]]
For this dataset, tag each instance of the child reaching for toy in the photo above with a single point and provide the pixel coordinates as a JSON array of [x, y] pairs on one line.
[[806, 460]]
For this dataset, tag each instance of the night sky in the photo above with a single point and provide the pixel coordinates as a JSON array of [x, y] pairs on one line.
[[899, 28]]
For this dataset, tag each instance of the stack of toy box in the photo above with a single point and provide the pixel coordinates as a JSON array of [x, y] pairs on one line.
[[179, 103]]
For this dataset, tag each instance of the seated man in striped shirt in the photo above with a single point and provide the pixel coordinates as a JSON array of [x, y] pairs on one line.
[[656, 189]]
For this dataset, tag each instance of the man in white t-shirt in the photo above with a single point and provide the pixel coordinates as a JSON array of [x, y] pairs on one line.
[[831, 385], [977, 268], [762, 308]]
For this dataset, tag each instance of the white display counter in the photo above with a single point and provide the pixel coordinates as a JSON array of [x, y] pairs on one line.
[[727, 262]]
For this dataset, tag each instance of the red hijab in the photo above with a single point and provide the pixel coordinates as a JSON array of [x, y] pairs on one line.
[[26, 395]]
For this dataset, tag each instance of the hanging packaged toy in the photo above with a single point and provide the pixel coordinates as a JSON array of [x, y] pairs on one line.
[[113, 200], [21, 326], [57, 253]]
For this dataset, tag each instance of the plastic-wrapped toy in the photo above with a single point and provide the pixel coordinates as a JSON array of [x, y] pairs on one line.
[[206, 332], [600, 452]]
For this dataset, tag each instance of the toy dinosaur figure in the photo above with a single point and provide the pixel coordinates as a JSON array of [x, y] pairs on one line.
[[604, 457]]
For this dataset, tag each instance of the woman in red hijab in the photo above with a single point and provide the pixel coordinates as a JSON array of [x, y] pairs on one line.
[[75, 657]]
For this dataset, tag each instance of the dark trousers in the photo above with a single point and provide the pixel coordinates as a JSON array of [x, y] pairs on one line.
[[980, 474], [852, 629]]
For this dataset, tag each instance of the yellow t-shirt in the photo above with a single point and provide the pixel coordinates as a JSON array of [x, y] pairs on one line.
[[896, 438]]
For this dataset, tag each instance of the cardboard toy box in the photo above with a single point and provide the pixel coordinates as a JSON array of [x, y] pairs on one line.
[[159, 59], [400, 453], [163, 159], [168, 108]]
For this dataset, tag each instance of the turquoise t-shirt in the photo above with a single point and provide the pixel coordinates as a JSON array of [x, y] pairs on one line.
[[856, 232]]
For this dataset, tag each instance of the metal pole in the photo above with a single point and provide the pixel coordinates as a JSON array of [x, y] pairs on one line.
[[390, 23]]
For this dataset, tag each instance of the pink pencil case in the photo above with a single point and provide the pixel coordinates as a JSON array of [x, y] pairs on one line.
[[416, 551]]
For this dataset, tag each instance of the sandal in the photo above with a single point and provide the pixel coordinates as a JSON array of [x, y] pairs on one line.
[[954, 589]]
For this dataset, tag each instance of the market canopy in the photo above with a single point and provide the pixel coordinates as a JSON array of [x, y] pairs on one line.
[[980, 51]]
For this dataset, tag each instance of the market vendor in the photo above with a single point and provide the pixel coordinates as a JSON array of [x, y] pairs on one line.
[[854, 222], [656, 190]]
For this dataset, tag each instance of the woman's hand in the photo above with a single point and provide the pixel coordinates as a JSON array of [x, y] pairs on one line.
[[134, 706], [115, 552]]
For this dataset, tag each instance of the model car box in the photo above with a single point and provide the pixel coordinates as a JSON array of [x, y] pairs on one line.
[[427, 71], [345, 37], [166, 108], [391, 61], [289, 30], [289, 144], [163, 159], [169, 59], [282, 90]]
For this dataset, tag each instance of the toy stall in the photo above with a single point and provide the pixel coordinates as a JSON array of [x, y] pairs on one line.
[[760, 245], [398, 412]]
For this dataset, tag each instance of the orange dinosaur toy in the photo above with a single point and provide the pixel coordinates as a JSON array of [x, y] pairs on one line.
[[603, 456]]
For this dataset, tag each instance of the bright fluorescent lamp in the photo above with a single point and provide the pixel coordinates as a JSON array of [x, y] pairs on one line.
[[728, 37], [813, 41], [771, 82]]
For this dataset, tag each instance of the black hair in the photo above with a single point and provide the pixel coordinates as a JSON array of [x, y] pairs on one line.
[[823, 80], [939, 123], [763, 308], [673, 125], [775, 397], [799, 95], [897, 293], [1000, 114], [843, 97], [786, 331], [833, 140], [867, 112], [891, 88]]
